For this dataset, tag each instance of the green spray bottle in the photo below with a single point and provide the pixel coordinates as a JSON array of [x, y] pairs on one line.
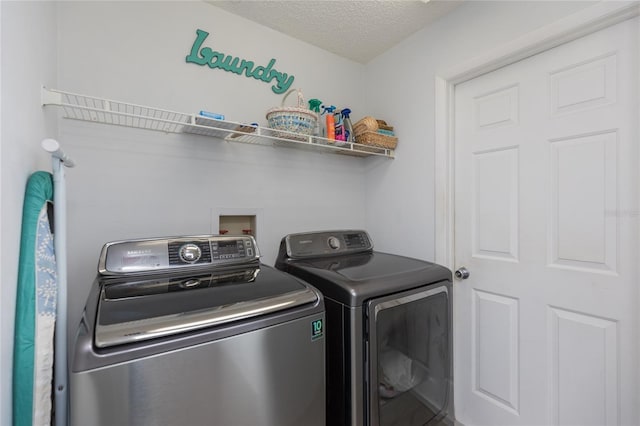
[[314, 105]]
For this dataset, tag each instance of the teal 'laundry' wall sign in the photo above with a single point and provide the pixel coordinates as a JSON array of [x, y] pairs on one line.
[[205, 56]]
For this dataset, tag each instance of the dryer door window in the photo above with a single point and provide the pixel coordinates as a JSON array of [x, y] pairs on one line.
[[409, 360]]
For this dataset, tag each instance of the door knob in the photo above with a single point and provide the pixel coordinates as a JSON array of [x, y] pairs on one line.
[[462, 273]]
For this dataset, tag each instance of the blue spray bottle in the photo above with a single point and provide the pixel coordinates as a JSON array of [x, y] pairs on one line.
[[347, 125]]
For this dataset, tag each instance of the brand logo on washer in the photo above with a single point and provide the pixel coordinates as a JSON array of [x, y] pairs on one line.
[[317, 329], [135, 252]]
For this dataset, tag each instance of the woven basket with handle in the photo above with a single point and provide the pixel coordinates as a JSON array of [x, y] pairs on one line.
[[298, 119]]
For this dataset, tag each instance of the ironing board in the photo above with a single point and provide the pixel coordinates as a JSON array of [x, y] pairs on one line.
[[35, 308]]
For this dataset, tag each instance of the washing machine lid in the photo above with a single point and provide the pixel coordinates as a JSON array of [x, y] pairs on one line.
[[354, 279], [135, 309], [343, 266]]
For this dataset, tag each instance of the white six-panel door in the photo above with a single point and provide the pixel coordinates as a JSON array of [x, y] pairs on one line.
[[546, 221]]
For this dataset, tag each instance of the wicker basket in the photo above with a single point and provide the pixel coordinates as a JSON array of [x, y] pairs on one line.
[[292, 119], [366, 133], [376, 139], [366, 124]]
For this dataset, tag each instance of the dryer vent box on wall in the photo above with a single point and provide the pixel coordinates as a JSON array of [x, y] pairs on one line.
[[237, 225]]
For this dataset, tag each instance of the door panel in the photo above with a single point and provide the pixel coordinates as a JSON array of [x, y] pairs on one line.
[[495, 204], [546, 221], [583, 357], [588, 240], [584, 85], [495, 349]]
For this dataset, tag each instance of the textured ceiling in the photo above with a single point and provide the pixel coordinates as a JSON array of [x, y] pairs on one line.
[[358, 30]]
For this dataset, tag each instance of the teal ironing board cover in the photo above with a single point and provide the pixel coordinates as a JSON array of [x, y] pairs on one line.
[[33, 352]]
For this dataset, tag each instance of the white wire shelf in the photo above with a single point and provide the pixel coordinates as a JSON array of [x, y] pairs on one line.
[[89, 108]]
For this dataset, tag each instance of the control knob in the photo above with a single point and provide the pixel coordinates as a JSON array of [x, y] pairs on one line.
[[334, 243], [190, 253]]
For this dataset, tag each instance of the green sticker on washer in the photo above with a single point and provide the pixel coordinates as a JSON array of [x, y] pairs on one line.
[[317, 329]]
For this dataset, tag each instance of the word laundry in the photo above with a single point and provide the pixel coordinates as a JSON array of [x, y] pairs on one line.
[[206, 56]]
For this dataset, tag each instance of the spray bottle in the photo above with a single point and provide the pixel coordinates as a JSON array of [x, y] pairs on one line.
[[347, 125], [331, 130], [314, 105], [339, 125]]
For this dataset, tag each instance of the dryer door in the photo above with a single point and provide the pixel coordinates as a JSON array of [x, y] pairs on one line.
[[409, 357]]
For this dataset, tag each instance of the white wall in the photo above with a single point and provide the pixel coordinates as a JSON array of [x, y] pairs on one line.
[[28, 60], [400, 194], [133, 183]]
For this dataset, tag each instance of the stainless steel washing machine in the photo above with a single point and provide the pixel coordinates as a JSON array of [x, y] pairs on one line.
[[196, 331], [389, 331]]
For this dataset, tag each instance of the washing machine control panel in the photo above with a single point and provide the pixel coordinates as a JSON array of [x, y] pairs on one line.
[[153, 255], [327, 243]]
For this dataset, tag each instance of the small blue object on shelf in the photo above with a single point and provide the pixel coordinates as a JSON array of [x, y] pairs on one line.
[[386, 132], [213, 115]]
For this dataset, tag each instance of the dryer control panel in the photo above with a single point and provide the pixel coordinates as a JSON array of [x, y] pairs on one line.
[[327, 243], [159, 254]]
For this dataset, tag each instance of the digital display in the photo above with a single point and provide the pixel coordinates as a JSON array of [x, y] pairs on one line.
[[227, 247], [353, 240]]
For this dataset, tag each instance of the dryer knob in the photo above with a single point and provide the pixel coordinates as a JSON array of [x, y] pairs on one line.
[[190, 253], [334, 243]]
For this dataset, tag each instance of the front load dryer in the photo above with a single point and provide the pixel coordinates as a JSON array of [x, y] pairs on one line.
[[196, 331], [389, 334]]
